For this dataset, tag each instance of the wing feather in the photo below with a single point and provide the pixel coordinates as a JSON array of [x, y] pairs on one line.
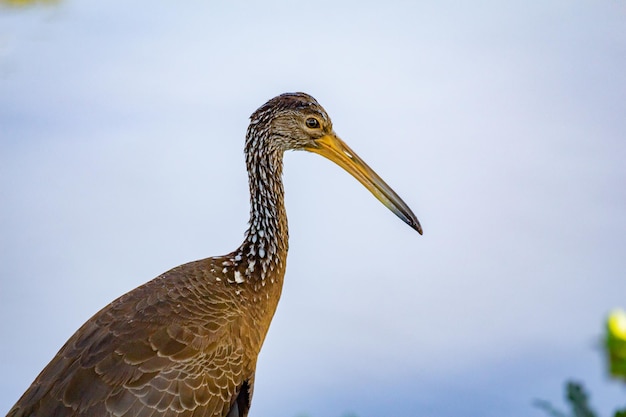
[[148, 354]]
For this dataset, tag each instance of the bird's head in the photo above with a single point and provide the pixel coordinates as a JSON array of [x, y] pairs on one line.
[[296, 121]]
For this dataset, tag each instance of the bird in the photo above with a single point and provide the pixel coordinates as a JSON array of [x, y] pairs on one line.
[[186, 343]]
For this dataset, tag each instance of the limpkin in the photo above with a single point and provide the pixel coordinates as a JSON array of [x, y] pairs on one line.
[[186, 343]]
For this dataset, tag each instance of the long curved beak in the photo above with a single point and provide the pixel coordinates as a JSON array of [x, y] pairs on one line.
[[333, 148]]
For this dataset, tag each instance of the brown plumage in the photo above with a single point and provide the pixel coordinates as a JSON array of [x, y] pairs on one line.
[[186, 343]]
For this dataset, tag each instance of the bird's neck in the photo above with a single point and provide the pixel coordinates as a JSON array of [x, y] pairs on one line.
[[264, 250]]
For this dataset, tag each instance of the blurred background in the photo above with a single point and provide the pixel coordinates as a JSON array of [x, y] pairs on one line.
[[502, 124]]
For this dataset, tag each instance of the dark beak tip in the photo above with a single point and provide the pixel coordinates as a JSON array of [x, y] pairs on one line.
[[415, 224]]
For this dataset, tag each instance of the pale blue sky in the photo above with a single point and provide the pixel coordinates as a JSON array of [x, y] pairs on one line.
[[502, 124]]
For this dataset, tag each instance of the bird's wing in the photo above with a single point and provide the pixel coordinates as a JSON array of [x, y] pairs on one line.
[[140, 356]]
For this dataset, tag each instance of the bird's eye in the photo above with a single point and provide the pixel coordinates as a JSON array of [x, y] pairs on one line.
[[312, 123]]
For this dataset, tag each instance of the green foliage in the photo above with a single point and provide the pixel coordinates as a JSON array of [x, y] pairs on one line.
[[615, 344], [615, 350], [578, 401]]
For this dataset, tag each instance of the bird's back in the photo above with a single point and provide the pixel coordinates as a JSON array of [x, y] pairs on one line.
[[183, 344]]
